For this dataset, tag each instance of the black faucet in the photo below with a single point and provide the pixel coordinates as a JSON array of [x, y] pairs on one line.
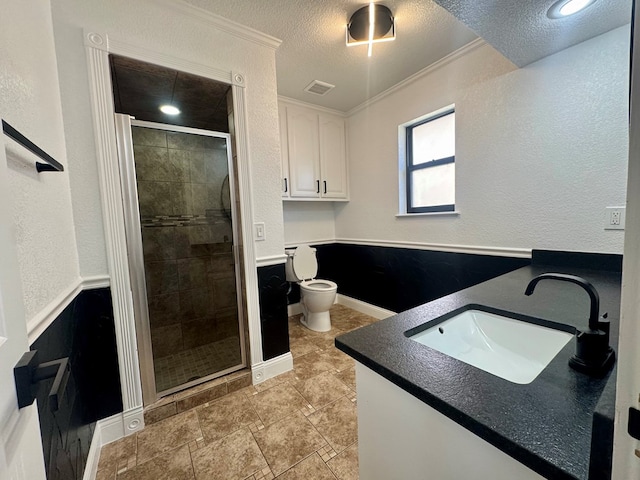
[[593, 354]]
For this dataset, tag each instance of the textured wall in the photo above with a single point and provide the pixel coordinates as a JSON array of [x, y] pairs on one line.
[[308, 221], [148, 24], [30, 101], [541, 151]]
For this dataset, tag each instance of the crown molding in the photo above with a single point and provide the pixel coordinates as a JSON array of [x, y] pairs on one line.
[[220, 23], [465, 49], [300, 103]]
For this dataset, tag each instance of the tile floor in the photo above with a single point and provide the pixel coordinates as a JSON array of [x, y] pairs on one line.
[[299, 425], [197, 362]]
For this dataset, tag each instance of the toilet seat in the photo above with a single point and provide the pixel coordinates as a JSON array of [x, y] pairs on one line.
[[318, 285], [305, 265]]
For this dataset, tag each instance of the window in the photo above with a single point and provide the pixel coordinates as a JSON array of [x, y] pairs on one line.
[[430, 163]]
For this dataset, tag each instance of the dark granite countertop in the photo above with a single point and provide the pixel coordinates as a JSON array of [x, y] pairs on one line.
[[547, 424]]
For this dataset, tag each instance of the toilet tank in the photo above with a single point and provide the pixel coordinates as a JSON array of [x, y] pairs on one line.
[[288, 268]]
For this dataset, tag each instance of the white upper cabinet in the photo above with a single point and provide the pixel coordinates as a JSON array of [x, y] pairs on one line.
[[314, 164], [333, 161], [284, 152]]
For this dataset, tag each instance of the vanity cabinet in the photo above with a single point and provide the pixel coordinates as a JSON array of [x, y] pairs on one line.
[[313, 148]]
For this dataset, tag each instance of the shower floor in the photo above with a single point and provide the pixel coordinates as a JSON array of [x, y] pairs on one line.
[[189, 365]]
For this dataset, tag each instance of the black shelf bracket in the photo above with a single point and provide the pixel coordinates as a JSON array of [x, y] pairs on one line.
[[51, 164], [28, 373]]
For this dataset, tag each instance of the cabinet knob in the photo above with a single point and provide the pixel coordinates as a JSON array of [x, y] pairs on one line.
[[286, 187], [318, 185], [325, 186]]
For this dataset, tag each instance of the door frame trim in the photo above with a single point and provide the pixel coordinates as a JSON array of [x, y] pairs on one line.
[[98, 46]]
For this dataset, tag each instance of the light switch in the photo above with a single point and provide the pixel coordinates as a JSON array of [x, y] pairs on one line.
[[260, 234]]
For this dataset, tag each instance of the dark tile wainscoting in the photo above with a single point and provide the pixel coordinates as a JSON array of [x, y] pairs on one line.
[[273, 287], [402, 278], [84, 332]]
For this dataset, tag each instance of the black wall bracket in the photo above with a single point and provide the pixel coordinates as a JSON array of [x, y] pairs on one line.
[[28, 373], [634, 423]]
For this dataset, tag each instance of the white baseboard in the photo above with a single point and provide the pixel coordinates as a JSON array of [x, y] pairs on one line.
[[294, 309], [364, 307], [265, 370], [91, 467], [357, 305]]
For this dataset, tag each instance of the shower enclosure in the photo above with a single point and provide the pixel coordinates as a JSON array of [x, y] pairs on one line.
[[181, 231]]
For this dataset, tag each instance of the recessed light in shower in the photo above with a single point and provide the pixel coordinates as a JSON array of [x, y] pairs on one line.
[[170, 110]]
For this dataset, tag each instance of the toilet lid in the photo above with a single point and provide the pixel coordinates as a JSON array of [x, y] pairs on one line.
[[304, 263]]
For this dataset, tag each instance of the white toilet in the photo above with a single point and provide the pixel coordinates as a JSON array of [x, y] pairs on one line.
[[316, 296]]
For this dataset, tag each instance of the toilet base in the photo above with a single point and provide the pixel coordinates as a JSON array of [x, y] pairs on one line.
[[318, 322]]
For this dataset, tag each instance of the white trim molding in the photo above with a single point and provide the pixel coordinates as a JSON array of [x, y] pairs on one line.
[[271, 260], [219, 23], [98, 47], [364, 307], [45, 317], [107, 430], [318, 108], [322, 241], [263, 371], [442, 247], [97, 50], [469, 47]]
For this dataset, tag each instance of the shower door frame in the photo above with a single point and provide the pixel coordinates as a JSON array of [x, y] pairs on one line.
[[137, 272]]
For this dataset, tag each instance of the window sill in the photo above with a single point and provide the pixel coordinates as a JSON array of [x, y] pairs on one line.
[[455, 213]]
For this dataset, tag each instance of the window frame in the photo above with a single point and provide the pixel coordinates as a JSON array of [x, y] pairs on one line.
[[410, 168]]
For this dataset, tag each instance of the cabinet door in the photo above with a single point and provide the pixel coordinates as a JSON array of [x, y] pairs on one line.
[[304, 158], [284, 152], [333, 160]]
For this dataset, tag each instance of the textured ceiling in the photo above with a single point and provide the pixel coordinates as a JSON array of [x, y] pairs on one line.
[[522, 32], [313, 44]]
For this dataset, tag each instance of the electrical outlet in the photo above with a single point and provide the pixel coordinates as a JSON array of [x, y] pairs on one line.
[[260, 234], [614, 218]]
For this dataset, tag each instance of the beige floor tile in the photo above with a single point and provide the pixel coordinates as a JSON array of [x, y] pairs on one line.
[[156, 414], [337, 422], [288, 441], [106, 475], [311, 468], [225, 416], [235, 456], [116, 455], [277, 402], [168, 434], [345, 465], [302, 346], [310, 365], [171, 465], [337, 360], [322, 389], [348, 377]]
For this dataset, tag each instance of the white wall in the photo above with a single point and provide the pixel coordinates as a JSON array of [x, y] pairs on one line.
[[151, 25], [541, 151], [30, 102], [308, 222]]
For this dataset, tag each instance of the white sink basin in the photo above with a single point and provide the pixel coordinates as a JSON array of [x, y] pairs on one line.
[[511, 349]]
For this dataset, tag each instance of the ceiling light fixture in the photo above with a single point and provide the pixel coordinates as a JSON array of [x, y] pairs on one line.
[[170, 110], [371, 24], [564, 8]]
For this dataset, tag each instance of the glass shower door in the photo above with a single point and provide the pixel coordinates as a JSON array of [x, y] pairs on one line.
[[187, 229]]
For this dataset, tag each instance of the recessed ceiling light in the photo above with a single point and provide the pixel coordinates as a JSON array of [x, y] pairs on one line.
[[564, 8], [169, 110]]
